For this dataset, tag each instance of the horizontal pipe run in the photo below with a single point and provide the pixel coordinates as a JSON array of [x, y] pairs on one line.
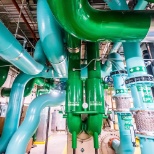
[[12, 51], [20, 139], [101, 25]]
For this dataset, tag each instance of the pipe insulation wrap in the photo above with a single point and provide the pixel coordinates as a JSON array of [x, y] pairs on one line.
[[12, 51]]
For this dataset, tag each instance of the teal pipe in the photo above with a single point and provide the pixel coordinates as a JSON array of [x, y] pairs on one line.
[[39, 55], [15, 104], [117, 4], [140, 91], [124, 146], [19, 141], [5, 92], [141, 5], [51, 38], [100, 25], [12, 51]]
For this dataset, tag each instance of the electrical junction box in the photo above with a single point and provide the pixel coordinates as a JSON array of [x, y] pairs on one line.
[[3, 110]]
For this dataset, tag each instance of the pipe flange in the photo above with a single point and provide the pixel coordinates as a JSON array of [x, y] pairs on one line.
[[73, 50], [147, 79], [118, 72], [1, 91]]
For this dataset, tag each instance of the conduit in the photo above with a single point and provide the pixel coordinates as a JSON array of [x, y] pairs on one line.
[[20, 139], [51, 38], [12, 51], [102, 25], [15, 104]]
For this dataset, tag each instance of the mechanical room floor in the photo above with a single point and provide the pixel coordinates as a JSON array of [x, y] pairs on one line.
[[57, 144]]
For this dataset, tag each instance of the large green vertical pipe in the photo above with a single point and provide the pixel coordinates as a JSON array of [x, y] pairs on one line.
[[94, 92], [20, 139], [74, 91], [12, 51], [95, 25], [15, 104]]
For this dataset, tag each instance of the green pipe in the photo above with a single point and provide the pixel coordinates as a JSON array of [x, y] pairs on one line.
[[86, 23], [74, 91], [4, 68], [94, 93], [152, 1], [12, 51], [5, 92]]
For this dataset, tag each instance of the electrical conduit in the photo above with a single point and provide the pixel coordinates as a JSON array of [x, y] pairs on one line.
[[20, 139], [51, 38]]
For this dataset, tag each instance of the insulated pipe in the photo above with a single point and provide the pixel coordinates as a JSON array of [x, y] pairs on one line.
[[141, 4], [5, 92], [102, 25], [124, 146], [19, 141], [39, 55], [12, 51], [51, 38], [15, 104], [25, 20]]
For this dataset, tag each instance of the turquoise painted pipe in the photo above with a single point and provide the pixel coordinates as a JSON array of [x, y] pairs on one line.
[[124, 146], [15, 104], [39, 55], [102, 25], [136, 67], [12, 51], [146, 145], [19, 141], [51, 38], [141, 5], [117, 4]]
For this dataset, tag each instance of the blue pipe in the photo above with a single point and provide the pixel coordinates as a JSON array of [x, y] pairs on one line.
[[19, 141], [51, 38], [15, 104], [124, 146], [12, 51], [39, 55]]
